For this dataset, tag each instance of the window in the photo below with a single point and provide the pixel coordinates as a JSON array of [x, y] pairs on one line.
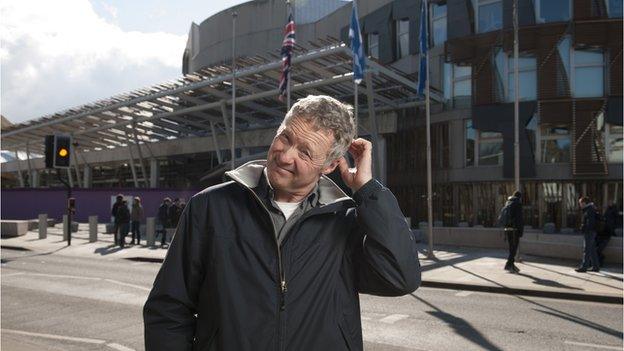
[[588, 77], [554, 144], [402, 39], [526, 72], [490, 149], [484, 147], [527, 75], [462, 82], [615, 143], [614, 8], [552, 11], [447, 79], [490, 15], [471, 141], [373, 45], [438, 23]]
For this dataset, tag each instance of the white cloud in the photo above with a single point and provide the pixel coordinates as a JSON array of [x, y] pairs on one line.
[[110, 9], [60, 54]]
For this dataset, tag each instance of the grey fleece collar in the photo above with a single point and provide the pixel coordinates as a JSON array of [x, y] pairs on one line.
[[248, 175]]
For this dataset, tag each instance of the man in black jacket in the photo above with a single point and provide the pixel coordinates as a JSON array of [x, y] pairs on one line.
[[514, 229], [114, 210], [588, 228], [275, 258]]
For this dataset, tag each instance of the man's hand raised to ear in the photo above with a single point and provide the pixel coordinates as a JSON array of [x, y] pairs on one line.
[[362, 152]]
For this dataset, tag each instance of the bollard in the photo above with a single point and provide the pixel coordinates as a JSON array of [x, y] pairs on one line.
[[93, 224], [65, 224], [150, 230], [43, 226]]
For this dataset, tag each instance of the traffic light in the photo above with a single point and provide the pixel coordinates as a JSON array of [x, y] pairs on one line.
[[57, 151]]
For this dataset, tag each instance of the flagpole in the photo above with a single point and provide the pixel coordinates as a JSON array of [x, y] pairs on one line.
[[430, 254], [288, 11], [233, 124], [355, 108]]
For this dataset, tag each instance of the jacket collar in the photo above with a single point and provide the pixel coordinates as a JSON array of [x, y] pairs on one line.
[[248, 175]]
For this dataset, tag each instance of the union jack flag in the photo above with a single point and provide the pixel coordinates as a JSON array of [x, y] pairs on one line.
[[287, 46]]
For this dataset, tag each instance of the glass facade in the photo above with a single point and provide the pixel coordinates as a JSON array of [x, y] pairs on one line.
[[552, 11], [462, 83], [554, 144], [615, 144], [471, 141], [490, 15], [438, 24], [588, 73], [614, 8], [373, 45], [402, 38]]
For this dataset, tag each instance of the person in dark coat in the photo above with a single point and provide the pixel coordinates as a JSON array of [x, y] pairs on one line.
[[514, 230], [175, 211], [118, 202], [162, 218], [603, 237], [136, 216], [276, 257], [123, 213], [588, 228]]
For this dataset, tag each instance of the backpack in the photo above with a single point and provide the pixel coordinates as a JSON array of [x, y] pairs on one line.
[[504, 218]]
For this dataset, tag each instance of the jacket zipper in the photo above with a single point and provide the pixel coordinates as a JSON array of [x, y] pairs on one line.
[[283, 287]]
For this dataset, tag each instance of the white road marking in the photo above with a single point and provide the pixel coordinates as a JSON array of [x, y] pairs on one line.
[[606, 347], [63, 276], [119, 347], [55, 337], [393, 318], [127, 284], [11, 274], [464, 293]]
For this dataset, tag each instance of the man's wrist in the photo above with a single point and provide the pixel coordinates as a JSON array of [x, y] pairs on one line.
[[366, 190]]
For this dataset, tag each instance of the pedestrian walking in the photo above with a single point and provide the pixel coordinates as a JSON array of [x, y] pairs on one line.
[[512, 221], [588, 228], [163, 220], [116, 205], [123, 213], [604, 236], [276, 257], [136, 216], [175, 211]]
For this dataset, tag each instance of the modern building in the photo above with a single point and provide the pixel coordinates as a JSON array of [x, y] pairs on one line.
[[177, 135]]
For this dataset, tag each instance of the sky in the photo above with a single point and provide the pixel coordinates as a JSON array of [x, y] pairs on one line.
[[64, 53]]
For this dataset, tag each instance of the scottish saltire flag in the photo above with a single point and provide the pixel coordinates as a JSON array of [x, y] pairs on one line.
[[287, 46], [424, 46], [359, 60]]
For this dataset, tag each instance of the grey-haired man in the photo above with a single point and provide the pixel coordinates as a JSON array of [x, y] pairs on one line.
[[275, 258]]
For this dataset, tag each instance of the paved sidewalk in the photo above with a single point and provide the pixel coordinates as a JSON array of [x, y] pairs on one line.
[[454, 267]]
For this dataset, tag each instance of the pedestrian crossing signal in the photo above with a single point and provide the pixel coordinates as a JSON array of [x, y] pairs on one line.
[[57, 151]]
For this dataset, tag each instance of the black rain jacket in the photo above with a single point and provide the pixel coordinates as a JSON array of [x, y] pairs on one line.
[[226, 285]]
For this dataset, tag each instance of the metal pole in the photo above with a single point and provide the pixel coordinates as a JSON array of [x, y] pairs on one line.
[[19, 170], [430, 254], [234, 15], [69, 212], [288, 9], [355, 107], [516, 109], [516, 99]]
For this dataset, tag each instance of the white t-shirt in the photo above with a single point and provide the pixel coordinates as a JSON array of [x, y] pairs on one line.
[[287, 208]]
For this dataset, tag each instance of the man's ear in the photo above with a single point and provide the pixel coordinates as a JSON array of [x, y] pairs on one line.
[[330, 168]]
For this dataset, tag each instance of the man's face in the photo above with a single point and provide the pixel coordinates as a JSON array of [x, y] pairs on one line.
[[296, 158]]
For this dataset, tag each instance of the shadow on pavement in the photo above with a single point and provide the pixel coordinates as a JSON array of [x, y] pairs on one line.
[[578, 276], [460, 326], [548, 282], [107, 250], [556, 313]]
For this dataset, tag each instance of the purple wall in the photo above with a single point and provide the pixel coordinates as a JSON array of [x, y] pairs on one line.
[[29, 203]]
